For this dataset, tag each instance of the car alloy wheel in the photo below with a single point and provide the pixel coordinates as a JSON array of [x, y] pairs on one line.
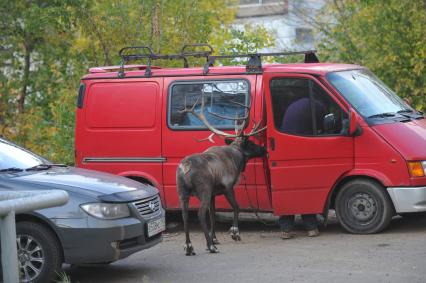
[[30, 257]]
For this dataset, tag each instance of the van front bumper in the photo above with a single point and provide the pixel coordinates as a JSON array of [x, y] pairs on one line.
[[408, 199]]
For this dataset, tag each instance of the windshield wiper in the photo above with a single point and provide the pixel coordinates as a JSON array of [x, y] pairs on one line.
[[405, 111], [12, 169], [59, 165], [382, 115], [411, 111], [39, 167]]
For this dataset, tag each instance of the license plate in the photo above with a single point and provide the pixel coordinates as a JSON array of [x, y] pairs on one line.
[[156, 226]]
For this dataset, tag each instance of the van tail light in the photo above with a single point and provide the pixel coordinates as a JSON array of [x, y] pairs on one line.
[[417, 168]]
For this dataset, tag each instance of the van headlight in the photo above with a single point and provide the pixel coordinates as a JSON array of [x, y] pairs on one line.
[[106, 210], [417, 168]]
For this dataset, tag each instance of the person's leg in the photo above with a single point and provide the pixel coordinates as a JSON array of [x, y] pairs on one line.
[[286, 223], [310, 223]]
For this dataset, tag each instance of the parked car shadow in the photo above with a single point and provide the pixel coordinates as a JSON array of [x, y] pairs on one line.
[[250, 222], [110, 272]]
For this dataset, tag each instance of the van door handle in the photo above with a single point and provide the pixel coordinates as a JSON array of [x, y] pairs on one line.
[[272, 143]]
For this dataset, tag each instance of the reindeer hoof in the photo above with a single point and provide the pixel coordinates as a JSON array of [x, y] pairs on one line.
[[236, 237], [235, 233], [212, 249], [215, 241], [189, 249]]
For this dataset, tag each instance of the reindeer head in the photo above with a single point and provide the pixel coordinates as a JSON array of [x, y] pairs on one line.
[[247, 147], [239, 139]]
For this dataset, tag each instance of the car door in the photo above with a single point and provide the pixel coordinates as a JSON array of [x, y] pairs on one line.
[[183, 134], [308, 145]]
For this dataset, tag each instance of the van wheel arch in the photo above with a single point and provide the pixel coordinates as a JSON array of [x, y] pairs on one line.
[[331, 204], [362, 205]]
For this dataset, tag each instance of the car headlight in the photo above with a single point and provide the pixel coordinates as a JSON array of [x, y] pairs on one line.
[[107, 210], [417, 168]]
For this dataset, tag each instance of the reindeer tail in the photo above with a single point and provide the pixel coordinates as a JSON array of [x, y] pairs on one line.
[[185, 166]]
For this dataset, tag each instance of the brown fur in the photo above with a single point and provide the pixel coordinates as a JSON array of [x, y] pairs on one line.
[[206, 175]]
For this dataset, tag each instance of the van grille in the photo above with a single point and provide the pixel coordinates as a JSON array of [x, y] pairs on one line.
[[148, 206]]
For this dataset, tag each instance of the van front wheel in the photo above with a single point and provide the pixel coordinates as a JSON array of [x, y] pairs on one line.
[[363, 207]]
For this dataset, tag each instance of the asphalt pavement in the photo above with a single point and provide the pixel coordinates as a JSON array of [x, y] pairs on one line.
[[395, 255]]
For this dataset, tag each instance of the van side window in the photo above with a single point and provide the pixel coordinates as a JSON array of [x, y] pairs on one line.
[[302, 107], [224, 98]]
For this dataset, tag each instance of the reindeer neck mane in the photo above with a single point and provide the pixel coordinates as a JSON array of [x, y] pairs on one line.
[[242, 164]]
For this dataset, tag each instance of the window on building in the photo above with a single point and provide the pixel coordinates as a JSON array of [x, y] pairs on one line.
[[302, 107], [225, 98], [304, 35], [261, 8], [259, 2]]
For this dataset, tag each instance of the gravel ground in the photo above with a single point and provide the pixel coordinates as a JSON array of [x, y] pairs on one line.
[[396, 255]]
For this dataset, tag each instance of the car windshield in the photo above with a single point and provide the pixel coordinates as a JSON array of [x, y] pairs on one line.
[[13, 158], [367, 94]]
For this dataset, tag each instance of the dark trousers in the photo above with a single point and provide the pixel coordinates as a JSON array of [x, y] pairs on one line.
[[286, 222]]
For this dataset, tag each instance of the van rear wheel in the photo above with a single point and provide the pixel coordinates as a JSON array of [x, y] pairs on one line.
[[363, 207]]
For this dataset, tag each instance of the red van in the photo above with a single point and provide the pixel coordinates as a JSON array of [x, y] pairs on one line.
[[337, 137]]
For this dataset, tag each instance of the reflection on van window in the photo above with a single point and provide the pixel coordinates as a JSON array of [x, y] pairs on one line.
[[366, 93], [225, 98], [302, 107]]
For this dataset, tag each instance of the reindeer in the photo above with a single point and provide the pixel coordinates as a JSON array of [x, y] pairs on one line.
[[214, 172]]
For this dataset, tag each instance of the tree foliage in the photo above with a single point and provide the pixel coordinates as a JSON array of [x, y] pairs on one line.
[[386, 36], [46, 46]]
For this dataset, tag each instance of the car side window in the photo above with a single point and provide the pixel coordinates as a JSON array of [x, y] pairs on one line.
[[223, 99], [302, 107]]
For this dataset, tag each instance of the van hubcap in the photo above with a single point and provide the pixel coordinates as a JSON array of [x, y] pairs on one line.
[[30, 257], [362, 206]]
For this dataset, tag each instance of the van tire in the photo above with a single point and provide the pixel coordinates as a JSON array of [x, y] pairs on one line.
[[363, 207], [40, 237]]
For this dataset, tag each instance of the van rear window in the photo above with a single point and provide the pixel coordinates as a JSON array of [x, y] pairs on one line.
[[227, 99]]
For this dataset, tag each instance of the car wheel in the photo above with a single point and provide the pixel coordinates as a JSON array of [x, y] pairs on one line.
[[363, 207], [39, 254]]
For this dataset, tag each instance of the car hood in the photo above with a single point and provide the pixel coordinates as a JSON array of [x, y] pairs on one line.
[[409, 138], [104, 186]]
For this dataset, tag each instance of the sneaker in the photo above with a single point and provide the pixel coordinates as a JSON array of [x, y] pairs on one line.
[[287, 235], [313, 233]]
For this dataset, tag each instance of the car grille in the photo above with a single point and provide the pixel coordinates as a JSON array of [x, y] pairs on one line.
[[148, 206]]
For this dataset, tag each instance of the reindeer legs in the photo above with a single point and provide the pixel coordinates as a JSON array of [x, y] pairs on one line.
[[189, 249], [213, 221], [234, 231], [202, 213]]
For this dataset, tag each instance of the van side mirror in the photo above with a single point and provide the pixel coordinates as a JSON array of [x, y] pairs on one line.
[[354, 128], [329, 123]]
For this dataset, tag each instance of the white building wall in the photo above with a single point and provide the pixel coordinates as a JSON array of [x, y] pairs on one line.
[[286, 20]]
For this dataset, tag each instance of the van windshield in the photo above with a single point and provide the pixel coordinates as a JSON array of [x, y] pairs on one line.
[[369, 95]]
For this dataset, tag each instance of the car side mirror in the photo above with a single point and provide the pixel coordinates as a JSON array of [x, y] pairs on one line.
[[354, 128], [329, 123]]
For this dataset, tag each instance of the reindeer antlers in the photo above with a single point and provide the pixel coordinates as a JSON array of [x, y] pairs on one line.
[[239, 129], [203, 118]]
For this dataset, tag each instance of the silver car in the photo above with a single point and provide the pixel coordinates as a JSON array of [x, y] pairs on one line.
[[107, 217]]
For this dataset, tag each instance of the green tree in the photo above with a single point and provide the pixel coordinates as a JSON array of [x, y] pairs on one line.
[[46, 46], [386, 36]]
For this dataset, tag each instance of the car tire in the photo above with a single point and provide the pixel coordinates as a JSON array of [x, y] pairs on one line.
[[363, 207], [38, 248]]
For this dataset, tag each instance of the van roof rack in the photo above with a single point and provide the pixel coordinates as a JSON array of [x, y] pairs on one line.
[[145, 52], [254, 64]]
